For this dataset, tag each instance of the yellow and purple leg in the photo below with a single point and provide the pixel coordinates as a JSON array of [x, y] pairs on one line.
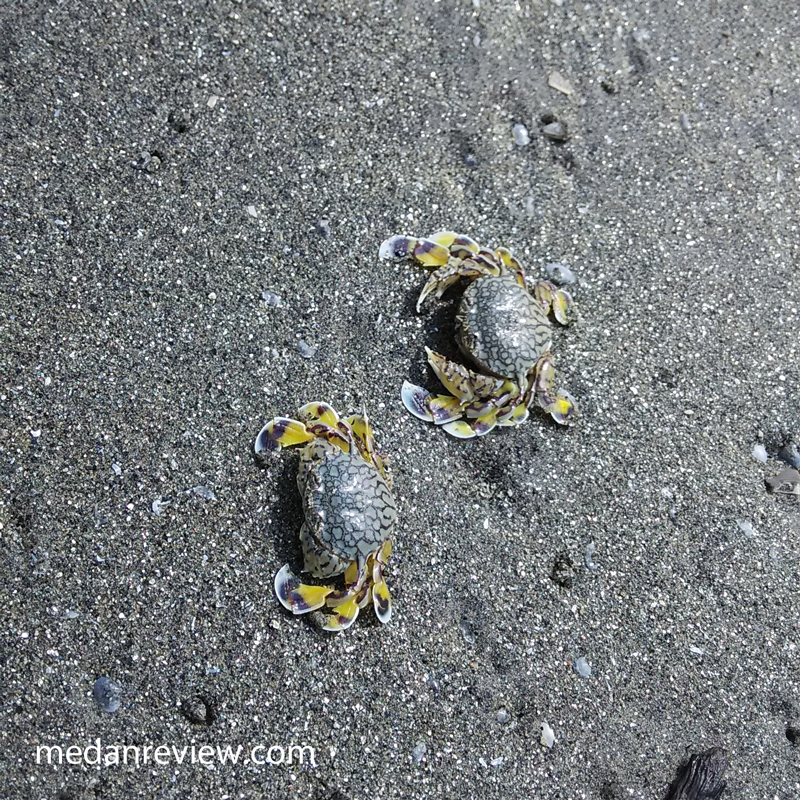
[[365, 441], [318, 421], [560, 405], [296, 596], [365, 585], [381, 600], [478, 397], [444, 277], [550, 296]]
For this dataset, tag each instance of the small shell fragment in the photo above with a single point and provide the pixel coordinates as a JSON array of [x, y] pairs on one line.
[[557, 131], [588, 556], [559, 274], [560, 84], [306, 350], [270, 298], [746, 527], [548, 737], [521, 137], [582, 667], [159, 504]]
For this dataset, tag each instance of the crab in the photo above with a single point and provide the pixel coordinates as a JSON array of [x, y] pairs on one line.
[[502, 327], [349, 513]]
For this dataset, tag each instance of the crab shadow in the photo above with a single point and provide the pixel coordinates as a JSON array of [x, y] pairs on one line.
[[438, 332]]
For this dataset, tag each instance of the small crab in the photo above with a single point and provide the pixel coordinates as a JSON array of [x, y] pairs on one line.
[[501, 326], [349, 512]]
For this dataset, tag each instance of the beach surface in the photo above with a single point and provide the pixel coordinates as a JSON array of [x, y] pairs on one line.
[[193, 198]]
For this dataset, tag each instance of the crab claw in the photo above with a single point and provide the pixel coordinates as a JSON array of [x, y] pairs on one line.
[[298, 597]]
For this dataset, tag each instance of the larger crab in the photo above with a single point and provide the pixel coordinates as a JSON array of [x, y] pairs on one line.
[[349, 512], [502, 327]]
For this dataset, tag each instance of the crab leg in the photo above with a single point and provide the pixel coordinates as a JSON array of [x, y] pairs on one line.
[[369, 585], [381, 599], [426, 252], [446, 276], [461, 382], [283, 432], [560, 405], [550, 296], [296, 596]]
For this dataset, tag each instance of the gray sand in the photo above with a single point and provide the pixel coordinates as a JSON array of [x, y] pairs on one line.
[[166, 163]]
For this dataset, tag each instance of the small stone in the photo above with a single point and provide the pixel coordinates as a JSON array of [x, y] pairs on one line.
[[548, 736], [203, 491], [588, 555], [582, 667], [306, 350], [470, 160], [521, 137], [212, 101], [252, 211], [271, 299], [557, 131], [559, 274], [117, 469], [562, 573], [467, 633], [746, 528], [560, 84], [760, 453], [70, 614], [790, 455], [324, 228], [198, 710], [107, 694], [419, 752], [503, 716], [159, 504], [683, 121]]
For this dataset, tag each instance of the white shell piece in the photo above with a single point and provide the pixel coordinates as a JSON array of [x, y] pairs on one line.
[[548, 737]]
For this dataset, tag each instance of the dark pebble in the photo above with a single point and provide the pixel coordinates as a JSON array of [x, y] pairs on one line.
[[700, 778], [790, 455], [563, 572]]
